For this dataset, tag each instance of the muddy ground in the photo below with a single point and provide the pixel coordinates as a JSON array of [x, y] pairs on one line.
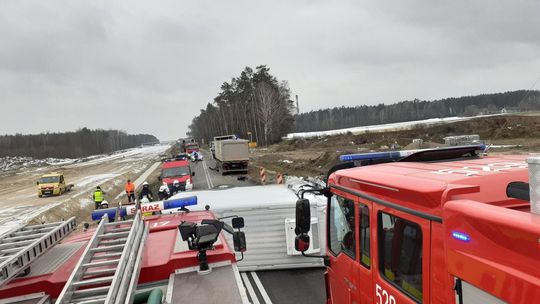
[[314, 156]]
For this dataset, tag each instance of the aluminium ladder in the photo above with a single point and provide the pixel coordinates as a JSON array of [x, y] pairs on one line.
[[21, 246], [109, 268]]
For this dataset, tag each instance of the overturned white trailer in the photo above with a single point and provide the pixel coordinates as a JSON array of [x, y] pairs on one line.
[[269, 214]]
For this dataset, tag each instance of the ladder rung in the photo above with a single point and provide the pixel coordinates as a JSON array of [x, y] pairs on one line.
[[93, 281], [5, 257], [99, 264], [118, 223], [107, 256], [93, 300], [113, 235], [16, 244], [97, 300], [113, 242], [107, 248], [99, 272], [49, 225], [22, 237], [31, 232], [119, 229], [90, 292], [11, 250]]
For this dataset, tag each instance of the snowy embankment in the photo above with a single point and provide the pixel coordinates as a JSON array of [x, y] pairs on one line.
[[407, 125], [21, 162]]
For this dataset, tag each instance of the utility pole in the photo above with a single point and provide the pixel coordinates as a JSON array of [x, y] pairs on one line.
[[297, 106]]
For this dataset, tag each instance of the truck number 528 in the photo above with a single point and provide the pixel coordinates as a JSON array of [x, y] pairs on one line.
[[383, 297]]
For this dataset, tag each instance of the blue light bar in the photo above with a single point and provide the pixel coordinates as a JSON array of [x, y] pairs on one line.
[[180, 202], [461, 236], [391, 155], [371, 156], [110, 212]]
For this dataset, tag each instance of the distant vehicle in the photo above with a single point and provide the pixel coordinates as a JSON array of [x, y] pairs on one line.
[[177, 170], [218, 138], [182, 156], [52, 183], [190, 147], [232, 155]]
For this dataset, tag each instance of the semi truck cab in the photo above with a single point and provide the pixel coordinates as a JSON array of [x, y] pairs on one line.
[[439, 226]]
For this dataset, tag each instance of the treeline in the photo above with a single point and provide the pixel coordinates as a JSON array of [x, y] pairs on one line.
[[81, 143], [346, 117], [254, 102]]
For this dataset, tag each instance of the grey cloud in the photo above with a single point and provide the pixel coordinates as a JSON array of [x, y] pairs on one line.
[[149, 67]]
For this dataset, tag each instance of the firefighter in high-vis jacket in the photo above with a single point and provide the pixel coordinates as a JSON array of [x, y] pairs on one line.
[[98, 197]]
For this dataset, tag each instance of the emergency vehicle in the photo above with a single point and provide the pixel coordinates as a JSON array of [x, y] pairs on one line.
[[156, 259], [444, 225], [52, 183], [190, 147], [179, 170]]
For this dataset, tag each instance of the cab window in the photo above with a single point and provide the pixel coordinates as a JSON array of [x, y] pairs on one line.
[[365, 257], [400, 254], [341, 228]]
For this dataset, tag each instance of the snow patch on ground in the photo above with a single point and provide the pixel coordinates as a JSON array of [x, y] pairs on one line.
[[95, 179], [22, 162], [15, 216], [85, 202], [125, 155], [384, 127]]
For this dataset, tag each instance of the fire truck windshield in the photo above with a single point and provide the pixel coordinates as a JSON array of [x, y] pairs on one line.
[[176, 171]]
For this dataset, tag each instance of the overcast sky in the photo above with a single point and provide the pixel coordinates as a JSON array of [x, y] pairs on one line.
[[149, 66]]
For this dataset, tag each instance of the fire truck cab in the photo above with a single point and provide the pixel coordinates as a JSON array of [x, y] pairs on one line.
[[436, 226]]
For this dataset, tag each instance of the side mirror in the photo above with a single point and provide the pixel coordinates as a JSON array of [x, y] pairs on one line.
[[303, 216], [238, 222], [159, 178], [301, 242], [37, 183], [239, 241], [192, 173]]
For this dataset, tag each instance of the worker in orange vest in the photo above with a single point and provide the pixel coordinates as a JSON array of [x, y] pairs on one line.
[[130, 191]]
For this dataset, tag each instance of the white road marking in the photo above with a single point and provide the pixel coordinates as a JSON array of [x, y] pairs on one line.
[[250, 289], [261, 288], [207, 174]]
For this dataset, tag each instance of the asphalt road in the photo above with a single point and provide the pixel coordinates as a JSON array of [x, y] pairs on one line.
[[207, 178], [298, 286]]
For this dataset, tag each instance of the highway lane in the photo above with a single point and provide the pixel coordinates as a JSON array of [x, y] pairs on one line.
[[299, 286], [207, 178]]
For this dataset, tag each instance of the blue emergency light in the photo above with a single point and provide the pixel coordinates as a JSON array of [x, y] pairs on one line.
[[372, 156], [395, 155], [180, 202], [177, 203], [461, 236], [110, 212]]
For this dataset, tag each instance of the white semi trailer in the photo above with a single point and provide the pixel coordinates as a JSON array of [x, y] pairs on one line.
[[231, 155]]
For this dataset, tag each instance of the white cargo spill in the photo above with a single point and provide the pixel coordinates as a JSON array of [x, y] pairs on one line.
[[269, 214]]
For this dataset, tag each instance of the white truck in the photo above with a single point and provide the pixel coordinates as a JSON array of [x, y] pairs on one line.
[[231, 155], [269, 214]]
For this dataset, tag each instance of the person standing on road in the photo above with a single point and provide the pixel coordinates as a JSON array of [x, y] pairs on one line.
[[130, 191], [98, 197], [146, 193], [175, 187], [164, 192]]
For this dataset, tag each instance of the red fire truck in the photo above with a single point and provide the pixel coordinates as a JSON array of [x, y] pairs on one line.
[[434, 226], [156, 259]]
